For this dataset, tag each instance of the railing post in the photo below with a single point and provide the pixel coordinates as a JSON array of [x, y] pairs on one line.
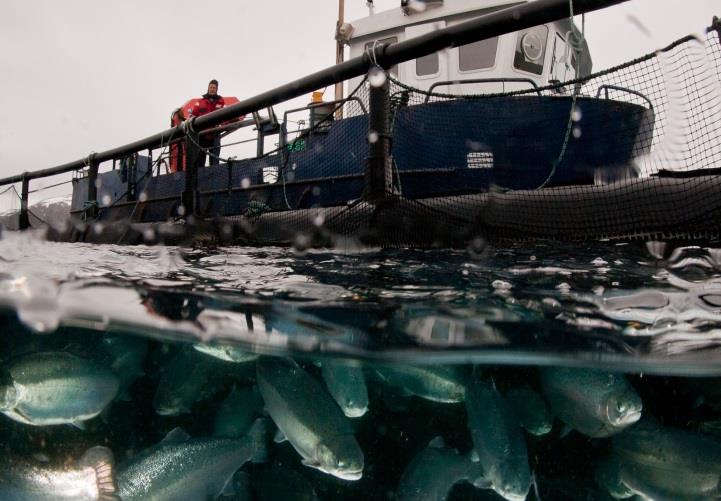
[[716, 25], [91, 206], [378, 181], [24, 222], [192, 151]]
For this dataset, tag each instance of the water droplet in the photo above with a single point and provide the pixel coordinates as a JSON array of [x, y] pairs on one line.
[[577, 114], [373, 137], [98, 228], [181, 210], [98, 183], [245, 183], [576, 132], [377, 77], [106, 200], [319, 220], [416, 6], [316, 191], [149, 235], [143, 197]]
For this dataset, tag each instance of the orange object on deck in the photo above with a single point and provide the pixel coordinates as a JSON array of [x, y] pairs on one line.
[[192, 107]]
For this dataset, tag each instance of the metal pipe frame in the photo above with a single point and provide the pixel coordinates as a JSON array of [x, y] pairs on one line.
[[488, 26]]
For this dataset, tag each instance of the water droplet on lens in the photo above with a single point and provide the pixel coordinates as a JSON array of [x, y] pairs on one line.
[[245, 183], [106, 200], [373, 137], [377, 77]]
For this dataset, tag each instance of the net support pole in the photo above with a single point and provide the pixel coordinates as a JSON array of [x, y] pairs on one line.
[[378, 164], [24, 221], [716, 25], [91, 206], [192, 152]]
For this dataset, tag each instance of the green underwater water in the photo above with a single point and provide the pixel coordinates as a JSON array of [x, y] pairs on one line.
[[530, 371]]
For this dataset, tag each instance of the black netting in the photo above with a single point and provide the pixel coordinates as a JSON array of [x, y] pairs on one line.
[[628, 152]]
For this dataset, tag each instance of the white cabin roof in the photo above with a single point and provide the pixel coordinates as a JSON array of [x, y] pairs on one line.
[[396, 18]]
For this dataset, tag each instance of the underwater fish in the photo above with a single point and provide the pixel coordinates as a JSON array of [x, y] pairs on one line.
[[608, 476], [189, 469], [125, 356], [595, 403], [436, 383], [663, 463], [530, 409], [310, 419], [498, 439], [226, 353], [237, 412], [347, 386], [434, 471], [90, 479], [56, 388], [190, 377]]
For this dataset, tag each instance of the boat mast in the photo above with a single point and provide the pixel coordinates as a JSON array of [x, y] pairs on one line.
[[339, 49]]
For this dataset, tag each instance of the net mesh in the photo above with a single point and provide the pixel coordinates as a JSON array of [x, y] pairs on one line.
[[629, 152]]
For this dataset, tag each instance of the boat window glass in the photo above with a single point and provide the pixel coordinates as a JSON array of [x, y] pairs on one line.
[[369, 46], [531, 49], [427, 65], [563, 62], [478, 55]]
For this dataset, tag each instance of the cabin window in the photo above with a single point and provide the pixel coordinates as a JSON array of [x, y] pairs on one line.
[[478, 55], [428, 65], [564, 63], [531, 50], [369, 46]]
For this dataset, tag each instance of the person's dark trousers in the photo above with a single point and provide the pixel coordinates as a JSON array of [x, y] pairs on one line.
[[206, 144], [215, 151]]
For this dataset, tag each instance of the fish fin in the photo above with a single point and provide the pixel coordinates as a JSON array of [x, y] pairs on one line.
[[565, 431], [174, 436], [474, 457], [258, 435], [534, 483], [310, 464], [80, 425], [279, 437], [481, 483], [437, 443], [101, 460]]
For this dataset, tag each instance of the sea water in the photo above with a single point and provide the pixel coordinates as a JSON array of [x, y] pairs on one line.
[[454, 373]]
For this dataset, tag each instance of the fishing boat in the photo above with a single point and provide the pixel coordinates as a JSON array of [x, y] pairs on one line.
[[446, 136]]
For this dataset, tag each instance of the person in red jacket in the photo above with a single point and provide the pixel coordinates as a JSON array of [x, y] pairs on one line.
[[210, 101]]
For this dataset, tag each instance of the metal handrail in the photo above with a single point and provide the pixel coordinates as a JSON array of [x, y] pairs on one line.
[[515, 18], [606, 87], [481, 80]]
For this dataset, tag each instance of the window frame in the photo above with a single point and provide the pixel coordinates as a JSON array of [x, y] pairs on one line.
[[489, 68]]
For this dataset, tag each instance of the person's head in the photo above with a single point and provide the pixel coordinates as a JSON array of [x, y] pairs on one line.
[[213, 87]]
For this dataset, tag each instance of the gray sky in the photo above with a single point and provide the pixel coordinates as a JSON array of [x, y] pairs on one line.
[[88, 75]]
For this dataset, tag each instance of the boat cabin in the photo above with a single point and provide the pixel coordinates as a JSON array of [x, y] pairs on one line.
[[537, 56]]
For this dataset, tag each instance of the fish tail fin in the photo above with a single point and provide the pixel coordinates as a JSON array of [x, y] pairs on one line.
[[534, 483], [101, 460], [258, 435]]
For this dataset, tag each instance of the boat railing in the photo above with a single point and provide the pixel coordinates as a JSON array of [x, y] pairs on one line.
[[483, 80], [603, 89], [497, 23]]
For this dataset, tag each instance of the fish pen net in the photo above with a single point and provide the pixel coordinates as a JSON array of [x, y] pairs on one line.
[[630, 152]]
